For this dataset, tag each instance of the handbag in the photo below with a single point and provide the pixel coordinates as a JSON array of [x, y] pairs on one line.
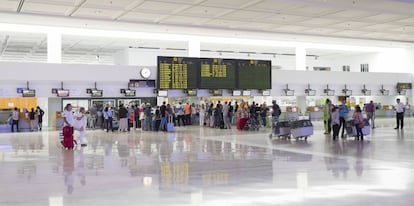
[[361, 125]]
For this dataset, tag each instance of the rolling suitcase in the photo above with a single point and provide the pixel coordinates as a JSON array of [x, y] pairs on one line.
[[68, 142], [170, 125]]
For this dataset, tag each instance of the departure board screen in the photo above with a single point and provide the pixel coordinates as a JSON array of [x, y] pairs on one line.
[[254, 74], [213, 73], [178, 72], [217, 73]]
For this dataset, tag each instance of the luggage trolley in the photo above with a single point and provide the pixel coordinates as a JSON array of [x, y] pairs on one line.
[[281, 129], [301, 129], [351, 130]]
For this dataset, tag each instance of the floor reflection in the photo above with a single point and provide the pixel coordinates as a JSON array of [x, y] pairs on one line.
[[155, 167]]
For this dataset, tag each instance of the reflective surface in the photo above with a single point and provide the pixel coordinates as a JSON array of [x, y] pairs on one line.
[[203, 166]]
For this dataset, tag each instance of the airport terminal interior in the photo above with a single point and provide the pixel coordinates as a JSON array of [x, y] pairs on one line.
[[255, 91]]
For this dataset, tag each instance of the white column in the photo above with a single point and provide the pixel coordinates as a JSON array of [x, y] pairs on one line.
[[54, 47], [194, 48], [300, 58]]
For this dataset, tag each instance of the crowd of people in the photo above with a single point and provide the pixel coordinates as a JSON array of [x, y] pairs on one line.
[[32, 116], [155, 118], [335, 117]]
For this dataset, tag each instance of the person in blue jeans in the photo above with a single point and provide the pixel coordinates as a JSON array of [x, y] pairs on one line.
[[163, 111], [343, 113]]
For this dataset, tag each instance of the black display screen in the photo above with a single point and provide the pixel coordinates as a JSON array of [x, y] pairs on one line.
[[254, 74], [29, 93], [96, 93], [217, 73], [178, 72], [213, 73]]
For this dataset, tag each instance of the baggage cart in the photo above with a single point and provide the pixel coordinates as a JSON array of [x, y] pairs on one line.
[[351, 130], [301, 129], [281, 129]]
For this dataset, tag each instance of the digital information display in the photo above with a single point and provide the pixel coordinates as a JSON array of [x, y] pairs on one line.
[[213, 73], [254, 74], [177, 73], [217, 73]]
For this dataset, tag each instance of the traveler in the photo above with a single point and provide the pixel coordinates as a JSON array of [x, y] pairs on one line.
[[40, 114], [343, 113], [163, 114], [68, 116], [400, 109], [15, 118], [370, 110], [335, 122], [327, 116], [107, 113], [180, 114], [359, 123]]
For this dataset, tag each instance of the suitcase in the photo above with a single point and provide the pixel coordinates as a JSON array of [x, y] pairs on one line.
[[301, 129], [68, 142], [170, 125]]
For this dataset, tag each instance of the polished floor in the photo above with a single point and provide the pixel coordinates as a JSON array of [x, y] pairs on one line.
[[203, 166]]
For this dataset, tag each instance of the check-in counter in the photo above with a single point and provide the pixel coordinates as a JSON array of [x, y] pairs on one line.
[[315, 113]]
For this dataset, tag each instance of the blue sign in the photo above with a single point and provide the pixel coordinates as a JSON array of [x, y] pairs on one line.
[[19, 90]]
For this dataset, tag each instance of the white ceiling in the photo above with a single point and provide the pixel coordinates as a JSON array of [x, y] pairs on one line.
[[388, 20]]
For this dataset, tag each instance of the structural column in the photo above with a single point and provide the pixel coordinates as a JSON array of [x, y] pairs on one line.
[[300, 58], [194, 48], [54, 47]]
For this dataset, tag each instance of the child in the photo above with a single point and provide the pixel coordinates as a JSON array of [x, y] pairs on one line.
[[335, 122]]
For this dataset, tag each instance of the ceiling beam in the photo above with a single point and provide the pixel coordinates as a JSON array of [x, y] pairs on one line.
[[128, 9], [4, 45], [20, 6], [78, 5]]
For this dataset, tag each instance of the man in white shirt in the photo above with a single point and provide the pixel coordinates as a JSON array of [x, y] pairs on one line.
[[400, 109]]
